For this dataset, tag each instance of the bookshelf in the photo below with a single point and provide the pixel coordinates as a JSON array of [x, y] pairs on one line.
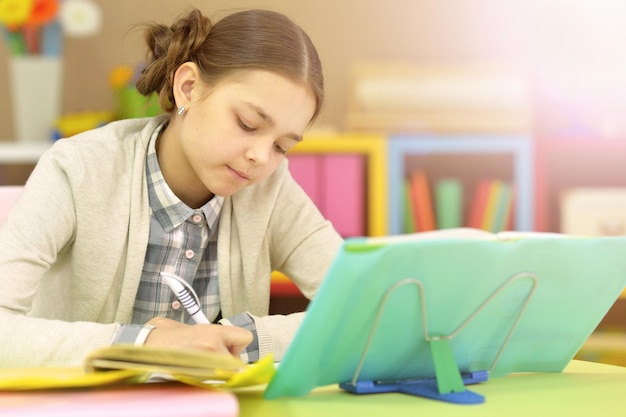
[[373, 149], [340, 152], [566, 163], [468, 158]]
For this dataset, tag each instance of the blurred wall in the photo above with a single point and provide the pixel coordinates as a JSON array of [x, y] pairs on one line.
[[345, 31]]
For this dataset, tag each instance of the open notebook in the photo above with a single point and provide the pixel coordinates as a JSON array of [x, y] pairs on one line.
[[510, 302]]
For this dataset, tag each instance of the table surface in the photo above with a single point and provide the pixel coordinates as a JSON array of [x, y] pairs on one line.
[[583, 389]]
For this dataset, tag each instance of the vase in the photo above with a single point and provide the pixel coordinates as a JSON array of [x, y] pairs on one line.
[[36, 85]]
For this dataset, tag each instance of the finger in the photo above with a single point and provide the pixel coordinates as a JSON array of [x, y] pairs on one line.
[[238, 339]]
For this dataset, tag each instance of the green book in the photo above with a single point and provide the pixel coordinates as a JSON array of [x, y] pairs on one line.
[[407, 213], [449, 203]]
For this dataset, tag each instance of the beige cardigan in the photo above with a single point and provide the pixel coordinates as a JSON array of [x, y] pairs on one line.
[[72, 249]]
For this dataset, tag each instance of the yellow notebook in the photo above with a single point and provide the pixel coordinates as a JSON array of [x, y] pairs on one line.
[[136, 364]]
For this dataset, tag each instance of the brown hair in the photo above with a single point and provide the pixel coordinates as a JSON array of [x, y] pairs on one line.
[[252, 39]]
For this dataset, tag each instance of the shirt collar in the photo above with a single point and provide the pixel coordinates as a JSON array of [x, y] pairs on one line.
[[168, 209]]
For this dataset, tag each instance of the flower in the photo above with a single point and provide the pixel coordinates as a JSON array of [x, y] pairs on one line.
[[14, 13], [120, 76], [42, 12], [80, 18], [35, 26]]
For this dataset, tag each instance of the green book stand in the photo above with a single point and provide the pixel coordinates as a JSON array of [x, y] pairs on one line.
[[427, 314]]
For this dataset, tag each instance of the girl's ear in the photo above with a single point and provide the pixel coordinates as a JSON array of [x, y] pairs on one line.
[[186, 78]]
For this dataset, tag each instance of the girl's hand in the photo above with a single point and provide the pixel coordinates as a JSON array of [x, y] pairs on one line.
[[207, 337]]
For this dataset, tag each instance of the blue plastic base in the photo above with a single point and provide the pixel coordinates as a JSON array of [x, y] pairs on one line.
[[423, 388]]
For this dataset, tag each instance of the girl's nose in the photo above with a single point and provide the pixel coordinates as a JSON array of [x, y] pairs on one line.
[[259, 152]]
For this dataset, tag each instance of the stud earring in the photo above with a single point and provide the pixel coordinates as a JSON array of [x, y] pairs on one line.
[[181, 110]]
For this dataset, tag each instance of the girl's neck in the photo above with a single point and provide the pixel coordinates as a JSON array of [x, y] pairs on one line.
[[176, 170]]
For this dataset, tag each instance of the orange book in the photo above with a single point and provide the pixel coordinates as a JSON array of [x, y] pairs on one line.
[[479, 204], [424, 217], [510, 220]]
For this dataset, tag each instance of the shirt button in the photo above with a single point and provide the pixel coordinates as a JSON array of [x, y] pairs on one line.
[[189, 254], [197, 218], [176, 305]]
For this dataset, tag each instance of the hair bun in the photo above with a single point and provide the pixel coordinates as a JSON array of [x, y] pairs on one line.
[[189, 33], [168, 48]]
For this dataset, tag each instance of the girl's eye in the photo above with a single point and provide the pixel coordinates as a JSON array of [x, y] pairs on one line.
[[245, 126], [279, 149]]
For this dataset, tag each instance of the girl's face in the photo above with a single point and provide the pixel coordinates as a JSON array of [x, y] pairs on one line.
[[235, 135]]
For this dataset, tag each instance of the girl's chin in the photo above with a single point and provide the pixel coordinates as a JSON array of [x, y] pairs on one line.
[[225, 191]]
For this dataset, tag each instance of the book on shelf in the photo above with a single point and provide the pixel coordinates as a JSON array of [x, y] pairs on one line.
[[449, 203], [478, 205], [504, 211], [490, 209], [421, 200], [492, 206], [409, 222], [494, 195]]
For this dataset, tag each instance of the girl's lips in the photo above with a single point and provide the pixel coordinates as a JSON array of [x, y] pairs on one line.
[[240, 174]]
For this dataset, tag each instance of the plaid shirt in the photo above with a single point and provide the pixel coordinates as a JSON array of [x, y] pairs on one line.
[[182, 241]]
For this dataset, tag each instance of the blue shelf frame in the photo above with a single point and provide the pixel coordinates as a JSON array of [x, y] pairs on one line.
[[519, 146]]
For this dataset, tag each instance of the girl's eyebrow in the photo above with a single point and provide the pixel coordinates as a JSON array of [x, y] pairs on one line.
[[258, 110]]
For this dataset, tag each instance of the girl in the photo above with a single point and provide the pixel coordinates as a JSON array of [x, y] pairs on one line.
[[202, 192]]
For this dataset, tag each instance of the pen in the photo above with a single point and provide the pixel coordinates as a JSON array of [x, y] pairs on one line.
[[187, 296]]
